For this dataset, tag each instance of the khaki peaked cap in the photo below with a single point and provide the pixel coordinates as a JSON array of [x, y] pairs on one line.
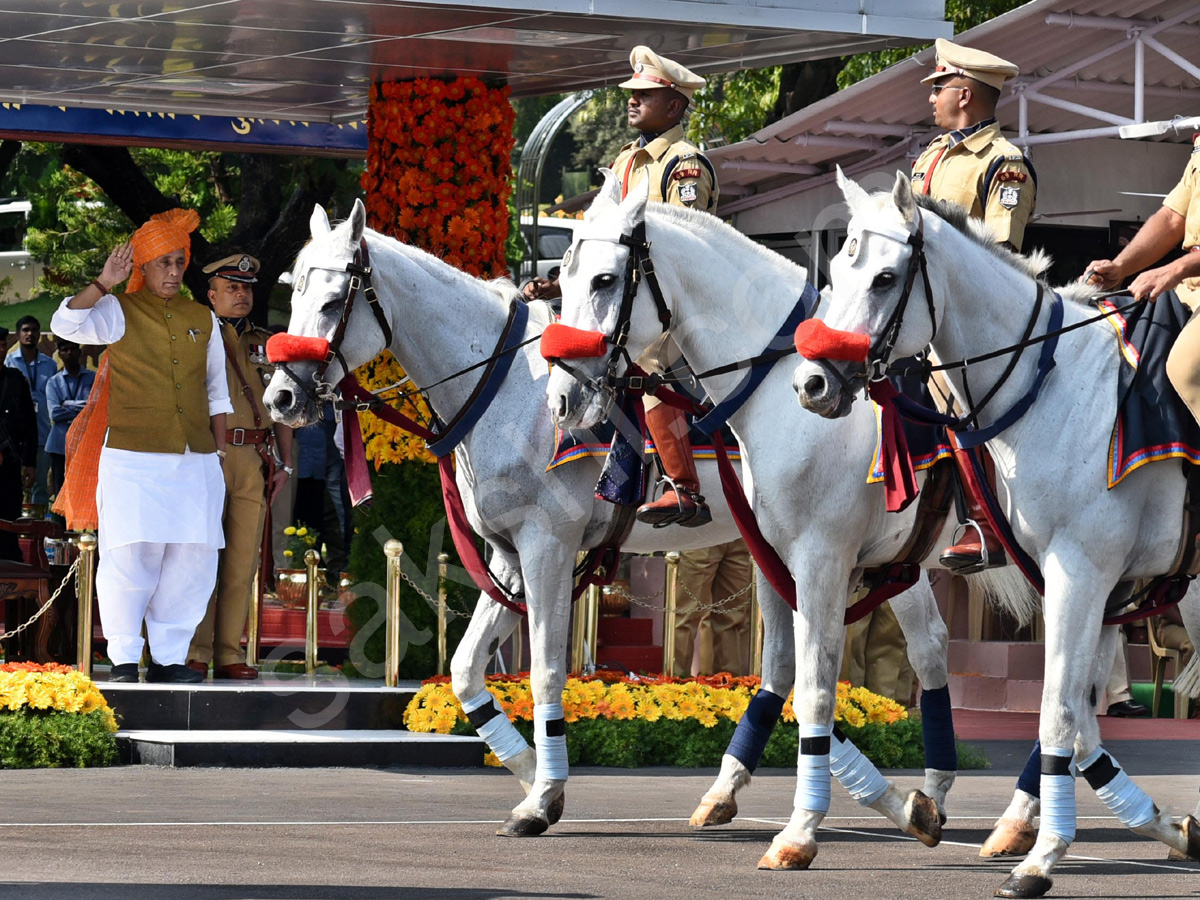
[[978, 64], [653, 71]]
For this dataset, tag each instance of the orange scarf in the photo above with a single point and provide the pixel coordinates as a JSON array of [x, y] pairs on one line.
[[85, 439]]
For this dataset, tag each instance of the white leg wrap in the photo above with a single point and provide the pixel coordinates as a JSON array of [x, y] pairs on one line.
[[498, 732], [1058, 799], [812, 775], [855, 772], [551, 747], [1128, 802]]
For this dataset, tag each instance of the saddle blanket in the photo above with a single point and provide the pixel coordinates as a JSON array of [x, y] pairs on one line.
[[623, 479], [1152, 421], [926, 444]]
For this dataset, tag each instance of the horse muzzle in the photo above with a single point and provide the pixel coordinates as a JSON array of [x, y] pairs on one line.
[[573, 404], [821, 390]]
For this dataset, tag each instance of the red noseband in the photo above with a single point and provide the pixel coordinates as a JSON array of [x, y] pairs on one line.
[[564, 342], [816, 340], [286, 348]]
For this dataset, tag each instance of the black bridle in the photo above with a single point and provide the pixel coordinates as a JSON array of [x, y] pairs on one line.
[[359, 270], [881, 351], [638, 268]]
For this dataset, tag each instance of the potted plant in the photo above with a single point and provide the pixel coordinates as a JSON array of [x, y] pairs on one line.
[[291, 584]]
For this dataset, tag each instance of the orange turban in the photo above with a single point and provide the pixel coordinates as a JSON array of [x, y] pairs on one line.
[[163, 233]]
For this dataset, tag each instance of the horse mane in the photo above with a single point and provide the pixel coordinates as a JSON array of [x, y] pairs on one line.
[[1033, 264], [693, 219]]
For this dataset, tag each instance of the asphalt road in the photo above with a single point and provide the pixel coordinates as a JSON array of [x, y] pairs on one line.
[[353, 834]]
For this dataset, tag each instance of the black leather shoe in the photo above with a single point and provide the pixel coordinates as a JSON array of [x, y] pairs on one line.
[[177, 673], [124, 673], [1128, 709]]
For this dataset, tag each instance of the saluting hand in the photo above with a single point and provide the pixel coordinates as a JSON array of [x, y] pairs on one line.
[[118, 266]]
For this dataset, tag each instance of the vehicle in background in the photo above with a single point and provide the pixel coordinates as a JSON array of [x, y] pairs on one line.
[[554, 237], [19, 272]]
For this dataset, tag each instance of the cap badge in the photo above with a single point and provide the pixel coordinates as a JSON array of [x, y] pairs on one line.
[[244, 264]]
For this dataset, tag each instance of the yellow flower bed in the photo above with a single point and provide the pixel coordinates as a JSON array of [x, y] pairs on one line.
[[51, 687], [706, 700]]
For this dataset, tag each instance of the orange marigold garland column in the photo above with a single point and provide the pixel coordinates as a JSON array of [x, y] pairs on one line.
[[437, 177]]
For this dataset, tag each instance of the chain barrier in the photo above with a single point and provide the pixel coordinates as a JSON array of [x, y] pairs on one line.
[[433, 604], [653, 601], [45, 606]]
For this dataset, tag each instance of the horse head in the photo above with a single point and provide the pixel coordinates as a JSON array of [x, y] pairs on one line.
[[874, 283], [593, 282], [323, 283]]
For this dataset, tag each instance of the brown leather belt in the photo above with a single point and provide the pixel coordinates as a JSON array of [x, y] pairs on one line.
[[237, 437]]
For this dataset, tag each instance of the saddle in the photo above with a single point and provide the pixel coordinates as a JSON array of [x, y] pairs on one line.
[[1152, 422]]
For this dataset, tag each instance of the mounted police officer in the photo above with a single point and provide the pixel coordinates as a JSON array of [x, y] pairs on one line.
[[974, 166], [1176, 224], [679, 174]]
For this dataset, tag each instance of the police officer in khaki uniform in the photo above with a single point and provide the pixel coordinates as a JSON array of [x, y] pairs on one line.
[[973, 166], [679, 174], [253, 441], [1177, 223]]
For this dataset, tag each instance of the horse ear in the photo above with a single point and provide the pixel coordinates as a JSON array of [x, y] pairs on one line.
[[856, 198], [902, 196], [358, 221], [319, 223], [633, 207], [610, 191]]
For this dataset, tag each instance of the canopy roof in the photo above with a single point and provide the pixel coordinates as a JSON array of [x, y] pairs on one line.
[[1088, 67], [314, 60]]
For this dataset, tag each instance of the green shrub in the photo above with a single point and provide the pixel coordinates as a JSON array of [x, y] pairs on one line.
[[51, 739]]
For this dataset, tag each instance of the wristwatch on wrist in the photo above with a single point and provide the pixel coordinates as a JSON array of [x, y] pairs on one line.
[[287, 469], [221, 453]]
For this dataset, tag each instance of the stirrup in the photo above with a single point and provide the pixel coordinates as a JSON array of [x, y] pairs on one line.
[[959, 534]]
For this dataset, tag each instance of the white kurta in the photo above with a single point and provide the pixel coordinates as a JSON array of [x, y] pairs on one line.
[[167, 498]]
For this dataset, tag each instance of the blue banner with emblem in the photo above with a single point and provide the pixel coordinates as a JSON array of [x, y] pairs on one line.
[[185, 131]]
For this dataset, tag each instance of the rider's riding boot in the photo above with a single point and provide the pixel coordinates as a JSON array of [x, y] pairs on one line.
[[681, 504], [968, 556]]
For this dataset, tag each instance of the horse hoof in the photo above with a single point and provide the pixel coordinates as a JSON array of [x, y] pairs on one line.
[[713, 812], [1008, 838], [924, 819], [1191, 831], [1174, 855], [555, 810], [523, 826], [787, 857], [1024, 886]]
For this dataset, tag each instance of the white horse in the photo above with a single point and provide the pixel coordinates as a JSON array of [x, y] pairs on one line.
[[1088, 541], [806, 477], [536, 521]]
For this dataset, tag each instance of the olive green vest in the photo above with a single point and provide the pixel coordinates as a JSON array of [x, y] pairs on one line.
[[158, 400]]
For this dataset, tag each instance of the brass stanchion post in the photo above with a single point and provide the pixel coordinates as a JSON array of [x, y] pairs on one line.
[[443, 569], [578, 630], [756, 628], [254, 621], [311, 558], [85, 587], [591, 624], [393, 550], [669, 603]]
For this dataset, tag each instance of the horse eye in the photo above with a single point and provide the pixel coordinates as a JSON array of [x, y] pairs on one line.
[[602, 282], [883, 280], [331, 306]]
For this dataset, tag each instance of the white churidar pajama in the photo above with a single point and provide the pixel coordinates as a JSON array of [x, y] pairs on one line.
[[160, 517]]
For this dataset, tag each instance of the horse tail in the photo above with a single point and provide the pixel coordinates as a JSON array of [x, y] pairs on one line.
[[1007, 589], [1187, 682]]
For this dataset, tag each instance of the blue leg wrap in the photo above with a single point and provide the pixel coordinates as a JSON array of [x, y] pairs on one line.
[[754, 730], [937, 727], [1031, 777]]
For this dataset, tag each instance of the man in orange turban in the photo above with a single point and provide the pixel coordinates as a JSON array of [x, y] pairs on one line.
[[144, 458]]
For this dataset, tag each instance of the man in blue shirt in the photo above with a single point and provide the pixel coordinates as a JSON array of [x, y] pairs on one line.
[[66, 395], [37, 368]]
